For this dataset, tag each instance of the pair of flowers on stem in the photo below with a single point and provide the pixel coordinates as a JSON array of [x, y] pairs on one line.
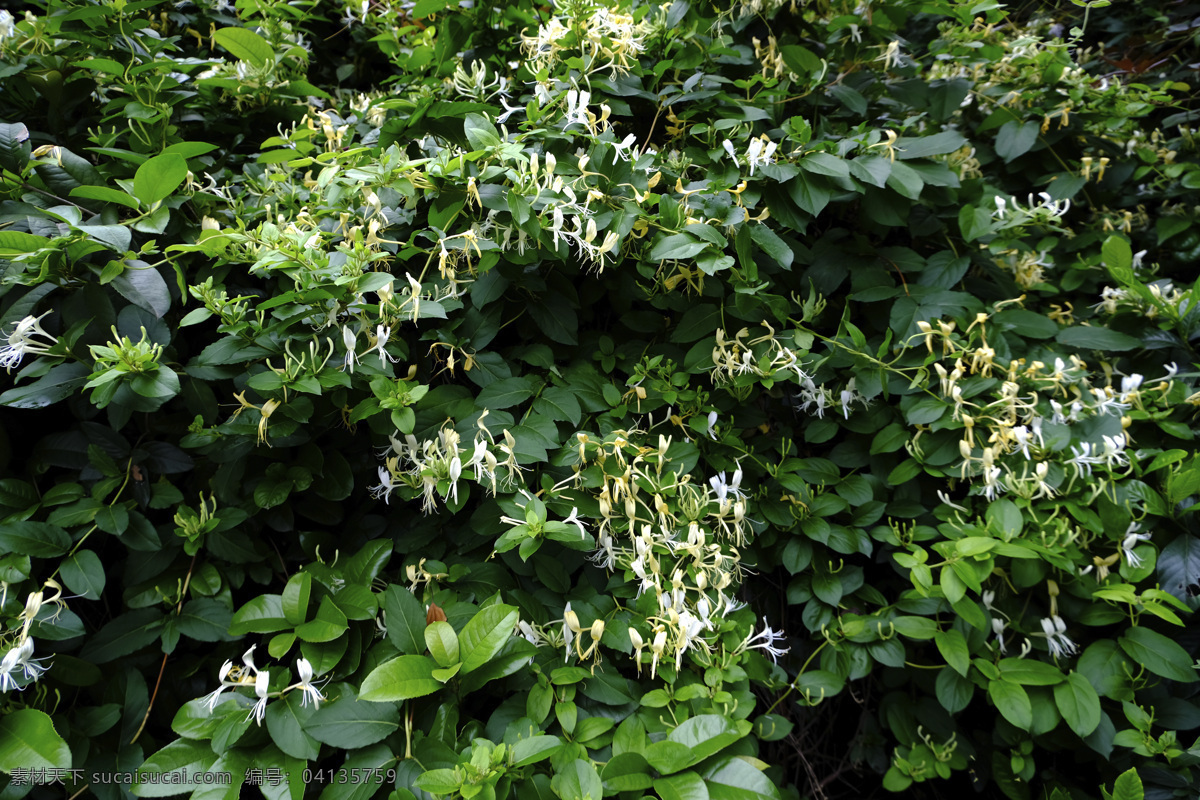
[[249, 675]]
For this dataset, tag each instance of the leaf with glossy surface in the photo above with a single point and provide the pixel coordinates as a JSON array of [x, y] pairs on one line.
[[401, 678]]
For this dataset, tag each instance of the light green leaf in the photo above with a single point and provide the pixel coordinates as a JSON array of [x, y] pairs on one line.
[[159, 176], [406, 620], [734, 778], [401, 678], [442, 642], [28, 739], [578, 781], [485, 634], [683, 786], [953, 648], [246, 45]]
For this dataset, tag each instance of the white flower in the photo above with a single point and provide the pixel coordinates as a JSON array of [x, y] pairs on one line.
[[998, 626], [728, 145], [577, 107], [508, 111], [7, 27], [1055, 631], [712, 422], [381, 338], [19, 658], [767, 641], [455, 474], [624, 148], [21, 342], [530, 634], [305, 685], [350, 339], [1131, 540], [262, 683], [8, 666], [1084, 459], [212, 699], [574, 520], [386, 485]]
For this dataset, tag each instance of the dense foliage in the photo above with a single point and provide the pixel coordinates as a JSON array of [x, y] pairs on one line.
[[496, 400]]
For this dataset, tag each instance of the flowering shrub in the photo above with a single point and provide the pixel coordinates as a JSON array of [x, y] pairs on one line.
[[478, 400]]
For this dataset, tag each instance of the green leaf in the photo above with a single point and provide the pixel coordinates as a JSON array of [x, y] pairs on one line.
[[442, 642], [205, 619], [143, 286], [329, 623], [953, 691], [906, 181], [1179, 567], [683, 786], [485, 634], [14, 146], [825, 164], [246, 45], [19, 243], [1012, 701], [677, 246], [286, 719], [294, 600], [182, 757], [37, 539], [534, 749], [1030, 672], [908, 147], [1093, 338], [734, 778], [1128, 786], [808, 193], [505, 393], [578, 781], [105, 195], [263, 614], [156, 179], [351, 722], [28, 739], [84, 574], [401, 678], [1078, 703], [953, 648], [707, 734], [1016, 138], [125, 634], [1157, 653], [406, 620], [558, 404], [62, 381], [667, 756]]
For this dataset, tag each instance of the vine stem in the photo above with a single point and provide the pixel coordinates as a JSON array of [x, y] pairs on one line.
[[163, 666]]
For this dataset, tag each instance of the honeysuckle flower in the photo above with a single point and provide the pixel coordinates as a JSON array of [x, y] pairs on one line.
[[1114, 451], [712, 422], [577, 103], [766, 640], [508, 110], [8, 666], [728, 145], [19, 658], [638, 645], [573, 519], [387, 484], [624, 148], [306, 685], [455, 473], [998, 626], [381, 338], [1083, 459], [1131, 540], [262, 684], [530, 634], [656, 650], [759, 153], [350, 339], [1055, 631], [726, 490], [21, 342], [211, 700], [570, 627], [1021, 434]]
